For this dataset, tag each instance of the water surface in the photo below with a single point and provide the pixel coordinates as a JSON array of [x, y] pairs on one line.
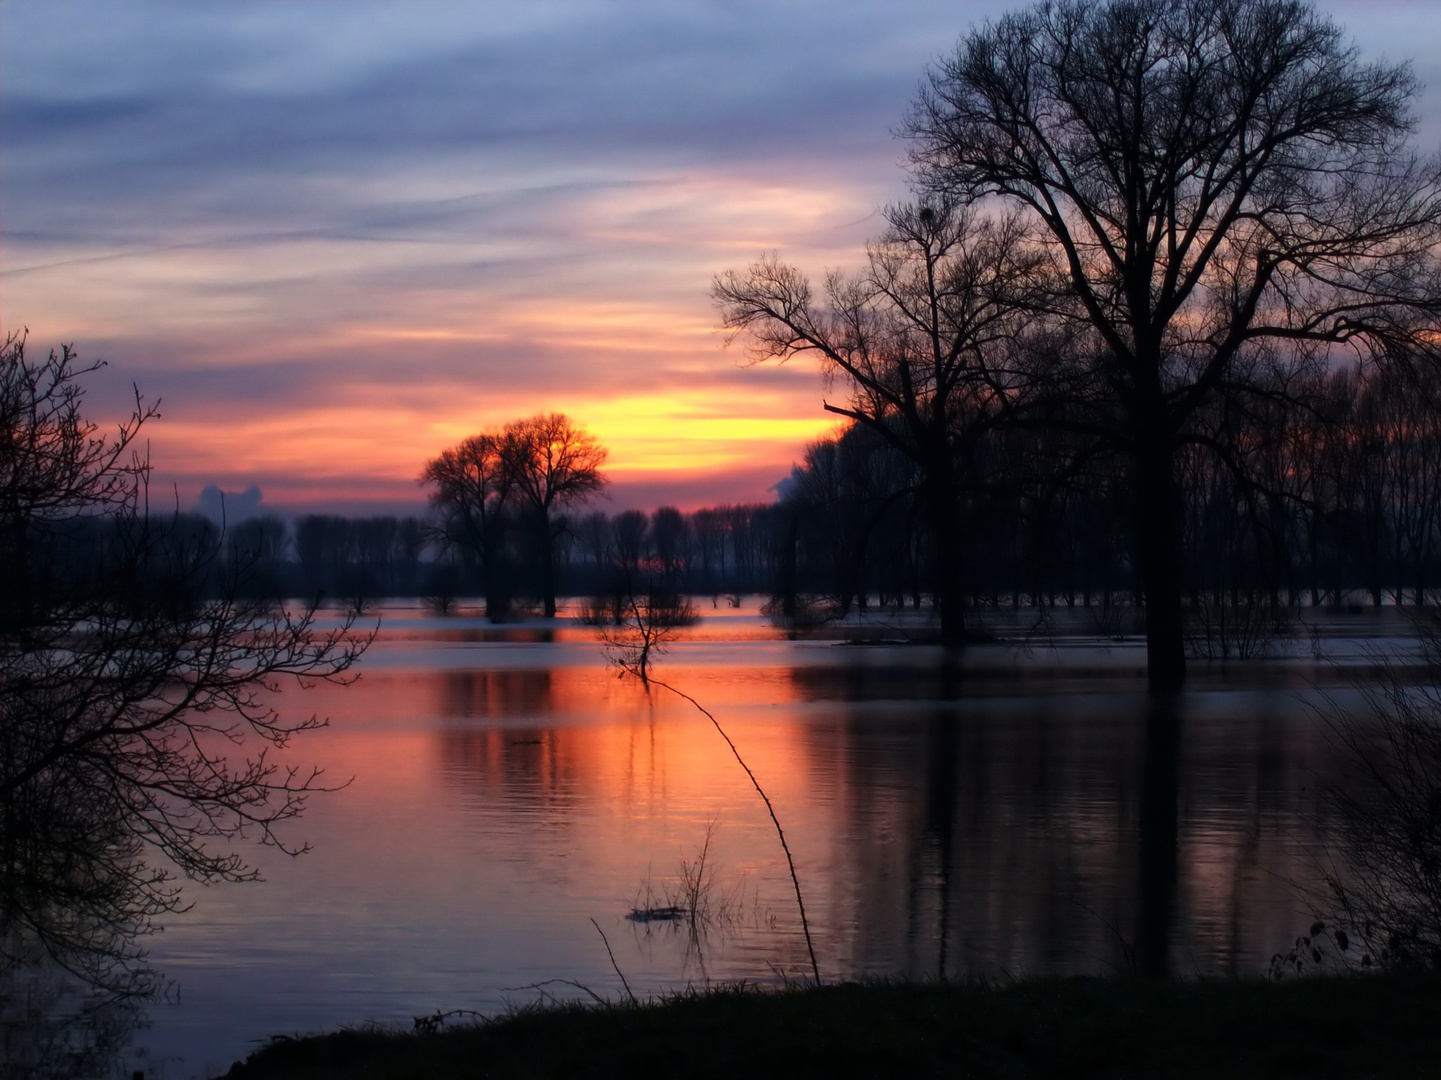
[[1020, 811]]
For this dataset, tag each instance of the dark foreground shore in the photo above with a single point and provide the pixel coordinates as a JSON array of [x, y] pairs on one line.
[[1381, 1026]]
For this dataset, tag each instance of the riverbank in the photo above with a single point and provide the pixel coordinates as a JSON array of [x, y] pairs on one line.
[[1382, 1025]]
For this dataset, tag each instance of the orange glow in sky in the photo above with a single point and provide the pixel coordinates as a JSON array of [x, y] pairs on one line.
[[285, 365]]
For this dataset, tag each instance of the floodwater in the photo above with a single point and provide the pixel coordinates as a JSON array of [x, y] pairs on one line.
[[509, 801]]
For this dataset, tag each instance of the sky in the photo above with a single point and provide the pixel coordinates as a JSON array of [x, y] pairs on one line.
[[335, 238]]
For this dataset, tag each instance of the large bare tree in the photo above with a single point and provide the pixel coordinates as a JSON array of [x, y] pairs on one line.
[[926, 339], [1228, 193]]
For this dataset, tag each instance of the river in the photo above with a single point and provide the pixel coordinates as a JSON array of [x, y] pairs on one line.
[[510, 803]]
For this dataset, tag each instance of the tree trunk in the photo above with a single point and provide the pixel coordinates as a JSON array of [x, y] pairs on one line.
[[940, 499], [494, 578], [547, 564], [1158, 546], [786, 569]]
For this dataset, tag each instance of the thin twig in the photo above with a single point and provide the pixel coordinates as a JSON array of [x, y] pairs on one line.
[[613, 964], [790, 862], [540, 988], [1128, 949]]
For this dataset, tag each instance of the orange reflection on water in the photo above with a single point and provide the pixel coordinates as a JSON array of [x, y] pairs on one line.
[[942, 819], [572, 731], [544, 739], [945, 819]]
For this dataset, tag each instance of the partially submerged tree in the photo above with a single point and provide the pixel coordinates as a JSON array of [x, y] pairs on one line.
[[1227, 192], [554, 464], [473, 488], [927, 339], [136, 714], [645, 623], [492, 488]]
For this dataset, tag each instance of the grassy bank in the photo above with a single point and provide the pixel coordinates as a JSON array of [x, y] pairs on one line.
[[1350, 1026]]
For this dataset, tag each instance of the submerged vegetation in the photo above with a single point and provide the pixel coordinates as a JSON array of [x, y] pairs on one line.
[[630, 647]]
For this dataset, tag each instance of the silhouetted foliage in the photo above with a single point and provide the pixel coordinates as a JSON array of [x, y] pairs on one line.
[[134, 680], [1384, 865], [499, 496], [1227, 195]]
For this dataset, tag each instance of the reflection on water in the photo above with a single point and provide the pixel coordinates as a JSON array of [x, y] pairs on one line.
[[1068, 835], [1156, 866], [492, 694], [52, 1027], [945, 818]]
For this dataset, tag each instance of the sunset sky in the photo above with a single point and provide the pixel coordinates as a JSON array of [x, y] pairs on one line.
[[335, 238]]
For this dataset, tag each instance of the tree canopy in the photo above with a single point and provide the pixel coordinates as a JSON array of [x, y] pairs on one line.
[[490, 485], [1221, 201]]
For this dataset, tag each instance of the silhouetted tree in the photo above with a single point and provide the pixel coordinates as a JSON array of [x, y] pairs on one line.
[[1226, 190], [708, 537], [258, 545], [474, 486], [326, 546], [552, 464], [927, 339], [670, 537], [494, 483], [135, 684], [844, 490]]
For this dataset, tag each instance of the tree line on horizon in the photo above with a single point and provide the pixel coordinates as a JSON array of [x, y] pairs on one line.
[[1338, 504]]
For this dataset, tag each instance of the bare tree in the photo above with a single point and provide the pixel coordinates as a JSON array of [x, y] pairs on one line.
[[484, 485], [474, 489], [135, 680], [646, 622], [553, 464], [926, 339], [1227, 192]]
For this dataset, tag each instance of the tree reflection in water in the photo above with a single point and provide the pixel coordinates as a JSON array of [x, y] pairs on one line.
[[1156, 901], [980, 825], [493, 694], [1077, 832], [942, 824], [52, 1027]]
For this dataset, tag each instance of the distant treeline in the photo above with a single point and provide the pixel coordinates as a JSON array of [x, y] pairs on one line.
[[727, 549], [1337, 503]]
